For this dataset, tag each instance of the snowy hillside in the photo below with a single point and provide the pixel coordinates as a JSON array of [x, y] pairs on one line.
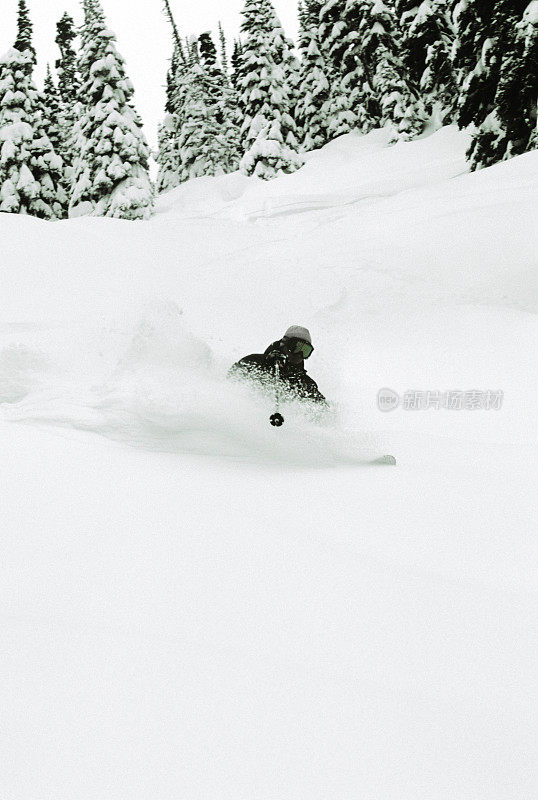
[[197, 605]]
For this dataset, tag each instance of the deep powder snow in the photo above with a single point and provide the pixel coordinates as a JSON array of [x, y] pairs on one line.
[[196, 605]]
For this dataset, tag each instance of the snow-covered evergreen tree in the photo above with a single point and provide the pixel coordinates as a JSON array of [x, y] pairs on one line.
[[52, 112], [303, 25], [69, 91], [516, 98], [344, 69], [23, 42], [167, 155], [224, 97], [223, 50], [218, 82], [206, 107], [390, 91], [485, 57], [66, 65], [292, 77], [208, 132], [111, 169], [60, 135], [208, 56], [312, 108], [267, 80], [235, 63], [30, 169], [427, 39], [269, 156], [333, 29], [476, 84], [370, 85], [178, 44], [193, 53], [200, 135]]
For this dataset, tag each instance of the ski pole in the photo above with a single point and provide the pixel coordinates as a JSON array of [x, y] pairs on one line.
[[276, 419]]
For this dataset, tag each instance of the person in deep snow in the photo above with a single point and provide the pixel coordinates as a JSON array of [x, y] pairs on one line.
[[283, 361]]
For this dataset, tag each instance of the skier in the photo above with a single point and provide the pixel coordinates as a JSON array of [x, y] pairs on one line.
[[282, 367]]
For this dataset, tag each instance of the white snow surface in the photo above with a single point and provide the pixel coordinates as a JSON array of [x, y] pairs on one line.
[[196, 605]]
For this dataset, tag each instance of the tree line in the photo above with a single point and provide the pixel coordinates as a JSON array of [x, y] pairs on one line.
[[408, 66], [77, 147]]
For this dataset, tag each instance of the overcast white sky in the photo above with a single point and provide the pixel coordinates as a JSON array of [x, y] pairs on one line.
[[143, 37]]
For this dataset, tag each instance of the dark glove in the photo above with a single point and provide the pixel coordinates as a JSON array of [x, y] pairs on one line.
[[275, 357]]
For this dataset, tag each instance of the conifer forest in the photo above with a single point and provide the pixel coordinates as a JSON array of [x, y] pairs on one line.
[[75, 146]]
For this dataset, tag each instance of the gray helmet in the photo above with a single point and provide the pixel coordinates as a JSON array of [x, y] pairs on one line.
[[296, 332]]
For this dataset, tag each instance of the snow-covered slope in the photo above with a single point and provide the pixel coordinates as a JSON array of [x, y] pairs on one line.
[[197, 605]]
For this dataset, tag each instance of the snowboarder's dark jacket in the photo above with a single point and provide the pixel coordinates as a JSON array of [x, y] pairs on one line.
[[294, 381]]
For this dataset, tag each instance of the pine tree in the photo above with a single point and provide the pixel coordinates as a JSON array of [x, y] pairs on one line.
[[60, 135], [334, 36], [517, 92], [66, 65], [30, 169], [111, 170], [371, 87], [206, 109], [215, 79], [200, 136], [193, 53], [284, 53], [390, 94], [69, 91], [267, 89], [333, 31], [178, 45], [23, 43], [223, 50], [168, 155], [485, 48], [208, 54], [312, 108], [236, 64], [427, 38], [214, 72], [304, 25], [208, 140], [52, 112]]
